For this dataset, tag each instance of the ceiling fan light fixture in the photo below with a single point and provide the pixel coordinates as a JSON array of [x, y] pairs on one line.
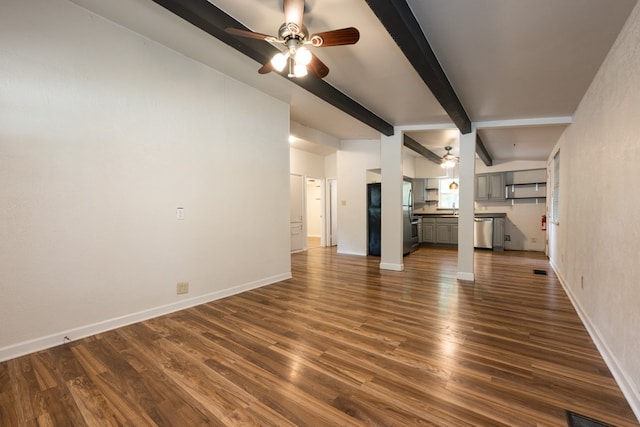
[[446, 164], [448, 160], [279, 61], [299, 70], [303, 56]]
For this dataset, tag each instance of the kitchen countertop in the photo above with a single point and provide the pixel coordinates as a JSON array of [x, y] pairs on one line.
[[448, 215]]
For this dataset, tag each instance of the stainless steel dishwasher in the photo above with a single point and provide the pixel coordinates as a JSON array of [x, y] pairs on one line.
[[483, 233]]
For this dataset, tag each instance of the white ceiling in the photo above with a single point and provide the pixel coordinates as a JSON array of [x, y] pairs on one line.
[[505, 59]]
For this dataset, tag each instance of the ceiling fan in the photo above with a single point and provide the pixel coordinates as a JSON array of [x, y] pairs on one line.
[[293, 35], [449, 160]]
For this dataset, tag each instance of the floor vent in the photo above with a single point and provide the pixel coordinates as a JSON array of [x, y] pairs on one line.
[[577, 420], [542, 272]]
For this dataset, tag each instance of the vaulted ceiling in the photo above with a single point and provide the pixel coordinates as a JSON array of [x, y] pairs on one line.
[[517, 68]]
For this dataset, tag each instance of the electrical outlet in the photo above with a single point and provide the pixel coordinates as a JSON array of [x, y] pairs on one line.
[[534, 240], [182, 288], [507, 238]]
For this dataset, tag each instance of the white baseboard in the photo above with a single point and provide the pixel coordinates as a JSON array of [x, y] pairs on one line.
[[341, 252], [31, 346], [391, 266], [629, 390], [467, 277]]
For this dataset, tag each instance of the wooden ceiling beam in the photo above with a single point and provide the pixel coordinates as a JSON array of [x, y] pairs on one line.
[[213, 20], [398, 19], [482, 152], [414, 145]]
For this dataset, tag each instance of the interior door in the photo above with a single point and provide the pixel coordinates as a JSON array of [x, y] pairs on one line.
[[296, 212]]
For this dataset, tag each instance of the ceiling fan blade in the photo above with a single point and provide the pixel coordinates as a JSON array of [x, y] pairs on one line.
[[293, 11], [339, 37], [251, 34], [266, 68], [317, 67]]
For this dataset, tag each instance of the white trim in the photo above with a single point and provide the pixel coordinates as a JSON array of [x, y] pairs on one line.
[[42, 343], [391, 266], [350, 253], [468, 277], [541, 121], [624, 382]]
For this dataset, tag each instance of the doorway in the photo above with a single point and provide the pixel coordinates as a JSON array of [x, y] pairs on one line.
[[314, 213], [296, 213]]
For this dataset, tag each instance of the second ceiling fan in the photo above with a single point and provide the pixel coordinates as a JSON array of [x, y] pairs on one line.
[[294, 36]]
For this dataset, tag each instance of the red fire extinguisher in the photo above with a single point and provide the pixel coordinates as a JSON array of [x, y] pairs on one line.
[[544, 222]]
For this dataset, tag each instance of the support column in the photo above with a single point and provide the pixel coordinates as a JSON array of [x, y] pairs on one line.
[[466, 199], [391, 236]]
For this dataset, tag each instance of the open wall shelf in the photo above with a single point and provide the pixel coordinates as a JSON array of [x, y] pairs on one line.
[[526, 191]]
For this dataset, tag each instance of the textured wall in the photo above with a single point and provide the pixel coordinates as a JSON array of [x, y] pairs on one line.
[[596, 243]]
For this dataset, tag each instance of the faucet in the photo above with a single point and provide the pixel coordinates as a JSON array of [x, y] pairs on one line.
[[453, 205]]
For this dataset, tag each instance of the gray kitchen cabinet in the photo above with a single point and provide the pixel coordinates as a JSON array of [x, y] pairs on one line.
[[439, 230], [418, 190], [443, 233], [490, 187], [428, 230], [498, 234], [447, 231]]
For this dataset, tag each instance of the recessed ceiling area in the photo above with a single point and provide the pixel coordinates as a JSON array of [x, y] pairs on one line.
[[521, 143], [436, 140]]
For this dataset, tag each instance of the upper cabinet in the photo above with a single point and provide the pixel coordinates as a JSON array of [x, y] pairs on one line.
[[418, 190], [490, 187], [524, 186]]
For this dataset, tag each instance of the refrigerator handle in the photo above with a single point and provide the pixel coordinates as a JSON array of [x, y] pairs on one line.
[[410, 203]]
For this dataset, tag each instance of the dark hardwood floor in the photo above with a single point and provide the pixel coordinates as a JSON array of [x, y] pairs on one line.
[[340, 344]]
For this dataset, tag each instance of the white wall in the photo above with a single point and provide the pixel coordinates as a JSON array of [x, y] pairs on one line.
[[313, 135], [103, 134], [408, 163], [331, 165], [598, 233], [353, 161], [306, 164]]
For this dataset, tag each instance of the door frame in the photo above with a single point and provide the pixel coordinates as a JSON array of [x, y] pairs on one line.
[[331, 213]]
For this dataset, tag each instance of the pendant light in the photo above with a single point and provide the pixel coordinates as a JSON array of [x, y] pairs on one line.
[[454, 185]]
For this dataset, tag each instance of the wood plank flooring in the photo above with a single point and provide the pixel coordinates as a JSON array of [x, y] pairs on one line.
[[340, 344]]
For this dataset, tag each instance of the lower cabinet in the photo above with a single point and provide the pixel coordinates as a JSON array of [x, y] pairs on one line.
[[428, 230], [447, 231], [498, 234], [440, 230], [444, 231]]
